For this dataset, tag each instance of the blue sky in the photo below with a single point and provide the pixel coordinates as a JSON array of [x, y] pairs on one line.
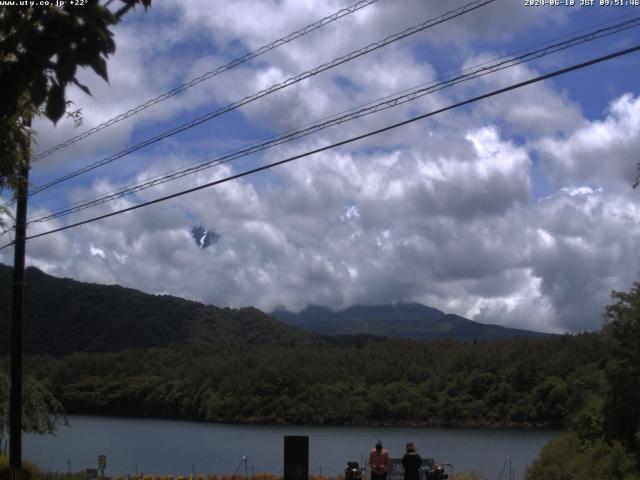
[[516, 210]]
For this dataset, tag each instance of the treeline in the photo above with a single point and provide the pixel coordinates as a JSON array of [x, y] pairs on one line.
[[520, 382]]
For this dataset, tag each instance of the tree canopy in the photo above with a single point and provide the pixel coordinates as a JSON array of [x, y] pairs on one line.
[[41, 48], [518, 382], [622, 398], [604, 435], [41, 411]]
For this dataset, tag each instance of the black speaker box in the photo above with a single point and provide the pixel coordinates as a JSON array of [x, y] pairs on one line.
[[296, 457]]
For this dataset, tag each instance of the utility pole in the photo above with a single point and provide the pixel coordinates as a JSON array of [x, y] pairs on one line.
[[15, 397]]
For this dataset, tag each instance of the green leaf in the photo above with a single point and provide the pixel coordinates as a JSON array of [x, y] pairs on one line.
[[39, 89], [82, 87], [55, 103], [66, 66], [99, 66]]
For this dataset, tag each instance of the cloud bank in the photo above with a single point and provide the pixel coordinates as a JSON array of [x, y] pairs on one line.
[[444, 211]]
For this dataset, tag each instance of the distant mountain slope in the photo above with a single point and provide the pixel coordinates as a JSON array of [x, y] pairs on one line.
[[64, 316], [404, 320]]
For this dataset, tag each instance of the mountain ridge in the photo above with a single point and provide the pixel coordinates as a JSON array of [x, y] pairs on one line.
[[400, 320], [110, 318]]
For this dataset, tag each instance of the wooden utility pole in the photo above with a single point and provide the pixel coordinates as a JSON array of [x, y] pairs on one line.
[[15, 398]]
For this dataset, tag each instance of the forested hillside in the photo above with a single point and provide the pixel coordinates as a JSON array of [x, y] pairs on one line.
[[64, 316], [402, 320], [522, 382]]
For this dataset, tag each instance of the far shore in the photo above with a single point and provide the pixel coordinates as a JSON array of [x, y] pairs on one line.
[[248, 423]]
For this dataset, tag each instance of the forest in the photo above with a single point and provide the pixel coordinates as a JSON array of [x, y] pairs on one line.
[[357, 381]]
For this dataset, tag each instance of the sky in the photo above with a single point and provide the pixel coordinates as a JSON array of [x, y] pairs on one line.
[[516, 210]]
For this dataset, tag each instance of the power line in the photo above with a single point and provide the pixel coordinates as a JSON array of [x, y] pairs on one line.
[[344, 142], [276, 87], [389, 102], [208, 163], [206, 76]]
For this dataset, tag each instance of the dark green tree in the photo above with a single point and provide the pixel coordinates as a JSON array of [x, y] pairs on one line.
[[622, 398], [604, 435], [567, 458], [41, 48], [41, 411]]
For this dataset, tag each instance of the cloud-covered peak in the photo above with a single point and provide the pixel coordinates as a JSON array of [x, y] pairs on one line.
[[202, 237]]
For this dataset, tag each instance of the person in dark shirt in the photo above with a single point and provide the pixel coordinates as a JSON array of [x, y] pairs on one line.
[[411, 463]]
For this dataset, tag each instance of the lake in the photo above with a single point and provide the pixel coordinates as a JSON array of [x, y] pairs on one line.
[[174, 447]]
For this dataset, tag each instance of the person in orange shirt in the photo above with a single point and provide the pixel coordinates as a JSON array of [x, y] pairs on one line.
[[379, 462]]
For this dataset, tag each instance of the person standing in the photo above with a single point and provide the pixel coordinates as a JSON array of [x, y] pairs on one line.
[[411, 463], [379, 462]]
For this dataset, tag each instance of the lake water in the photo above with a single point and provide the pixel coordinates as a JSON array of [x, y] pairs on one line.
[[173, 447]]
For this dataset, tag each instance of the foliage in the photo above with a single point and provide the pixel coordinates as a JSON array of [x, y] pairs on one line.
[[622, 397], [566, 458], [41, 411], [54, 325], [377, 382], [41, 48], [468, 475], [588, 422], [29, 470], [604, 435]]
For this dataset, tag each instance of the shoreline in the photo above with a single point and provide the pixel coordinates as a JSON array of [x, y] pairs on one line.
[[171, 447], [436, 426]]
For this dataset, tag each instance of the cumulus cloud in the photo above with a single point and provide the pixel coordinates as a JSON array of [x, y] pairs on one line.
[[603, 153]]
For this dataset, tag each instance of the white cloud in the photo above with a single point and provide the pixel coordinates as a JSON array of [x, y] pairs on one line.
[[96, 252], [534, 110], [601, 154]]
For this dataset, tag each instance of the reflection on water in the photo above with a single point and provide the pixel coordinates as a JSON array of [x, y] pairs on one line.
[[173, 448]]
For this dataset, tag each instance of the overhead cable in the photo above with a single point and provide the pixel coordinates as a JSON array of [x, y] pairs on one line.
[[493, 93], [389, 102], [206, 76], [276, 87]]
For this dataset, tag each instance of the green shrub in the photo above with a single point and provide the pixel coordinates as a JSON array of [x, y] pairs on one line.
[[567, 458], [30, 471]]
